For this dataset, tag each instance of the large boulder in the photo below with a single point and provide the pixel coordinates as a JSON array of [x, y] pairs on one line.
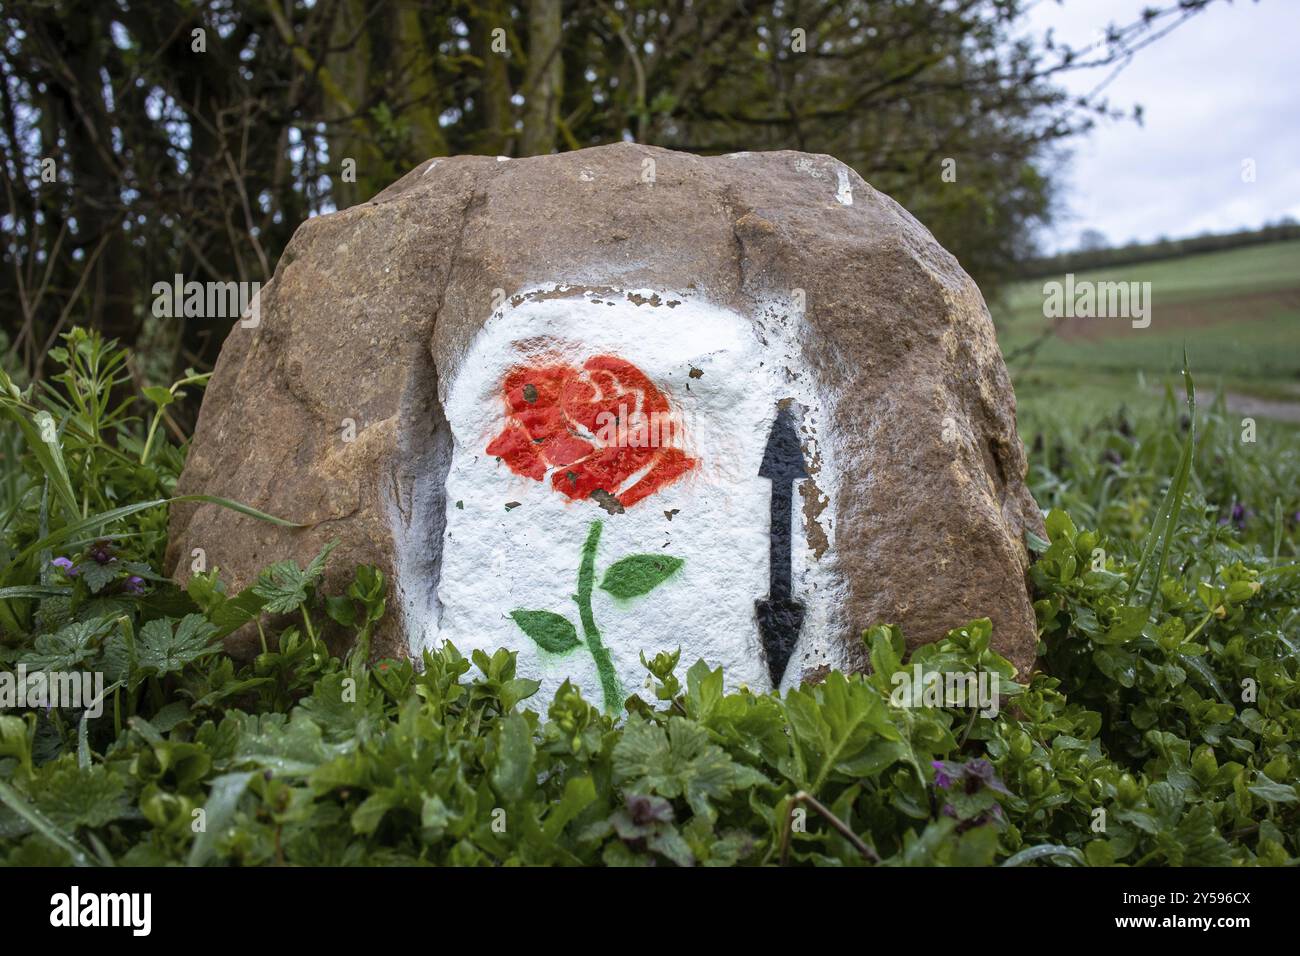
[[622, 400]]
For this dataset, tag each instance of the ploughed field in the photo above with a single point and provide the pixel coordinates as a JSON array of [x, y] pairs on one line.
[[1236, 311]]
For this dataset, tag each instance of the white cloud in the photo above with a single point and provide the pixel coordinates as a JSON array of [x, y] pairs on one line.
[[1219, 89]]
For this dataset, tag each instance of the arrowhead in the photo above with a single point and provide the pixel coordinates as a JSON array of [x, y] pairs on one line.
[[779, 623], [783, 456]]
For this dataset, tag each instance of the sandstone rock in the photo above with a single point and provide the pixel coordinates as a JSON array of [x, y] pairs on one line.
[[481, 321]]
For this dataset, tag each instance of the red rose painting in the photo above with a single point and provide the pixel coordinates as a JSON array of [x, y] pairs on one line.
[[602, 427]]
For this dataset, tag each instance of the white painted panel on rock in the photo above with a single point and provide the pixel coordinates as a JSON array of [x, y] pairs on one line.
[[518, 524]]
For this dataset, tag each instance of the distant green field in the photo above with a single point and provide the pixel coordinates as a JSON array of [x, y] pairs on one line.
[[1237, 313]]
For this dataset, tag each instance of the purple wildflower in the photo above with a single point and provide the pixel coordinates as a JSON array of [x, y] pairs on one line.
[[66, 566], [648, 810], [101, 552], [941, 778], [982, 771], [133, 585], [977, 774]]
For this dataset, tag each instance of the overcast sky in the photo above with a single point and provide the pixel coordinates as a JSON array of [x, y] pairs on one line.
[[1222, 87]]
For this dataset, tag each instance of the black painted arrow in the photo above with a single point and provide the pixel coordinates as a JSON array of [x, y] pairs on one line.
[[780, 617]]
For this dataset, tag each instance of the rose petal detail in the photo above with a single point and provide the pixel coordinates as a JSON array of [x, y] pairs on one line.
[[561, 417], [670, 465], [517, 450], [565, 449]]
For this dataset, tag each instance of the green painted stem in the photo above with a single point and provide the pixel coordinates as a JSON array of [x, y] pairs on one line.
[[586, 580]]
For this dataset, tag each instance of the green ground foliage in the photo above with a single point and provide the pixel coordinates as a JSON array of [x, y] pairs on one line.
[[1160, 730]]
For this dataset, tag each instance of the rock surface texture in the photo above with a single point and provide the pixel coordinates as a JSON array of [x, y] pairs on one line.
[[452, 380]]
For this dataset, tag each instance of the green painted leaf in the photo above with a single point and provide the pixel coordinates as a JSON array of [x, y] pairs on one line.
[[552, 632], [639, 574]]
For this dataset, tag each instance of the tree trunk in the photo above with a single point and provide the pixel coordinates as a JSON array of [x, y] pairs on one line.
[[543, 79], [494, 89]]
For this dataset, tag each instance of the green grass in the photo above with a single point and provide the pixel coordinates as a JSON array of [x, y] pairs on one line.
[[1213, 274], [1236, 313]]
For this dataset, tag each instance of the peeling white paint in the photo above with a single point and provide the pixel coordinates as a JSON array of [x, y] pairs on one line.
[[844, 192], [805, 164], [496, 560], [815, 169]]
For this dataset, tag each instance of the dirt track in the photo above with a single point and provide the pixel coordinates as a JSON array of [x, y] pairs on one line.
[[1235, 308], [1278, 409]]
